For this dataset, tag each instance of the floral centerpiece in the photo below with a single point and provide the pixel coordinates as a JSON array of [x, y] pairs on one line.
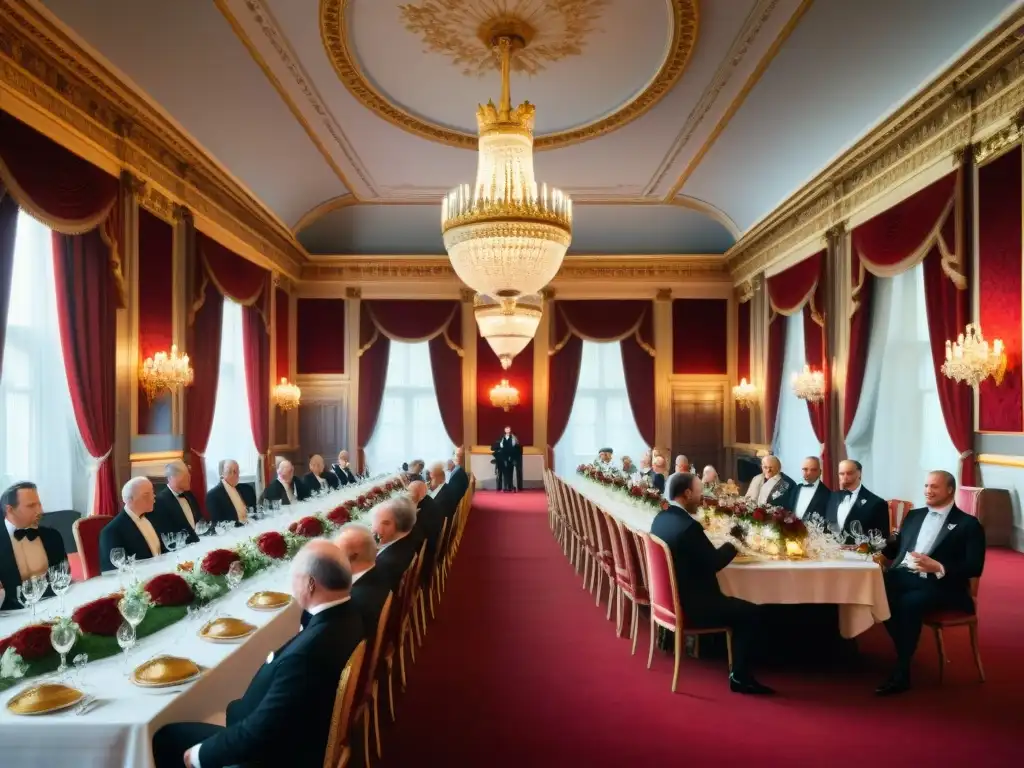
[[635, 487], [767, 530], [169, 589], [216, 562], [99, 617], [307, 527]]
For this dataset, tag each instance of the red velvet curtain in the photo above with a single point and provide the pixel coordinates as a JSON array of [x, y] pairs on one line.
[[446, 365], [8, 229], [201, 397], [929, 226], [87, 313], [374, 347], [816, 355], [256, 347], [627, 321]]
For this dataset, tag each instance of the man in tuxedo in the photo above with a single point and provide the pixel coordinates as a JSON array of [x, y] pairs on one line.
[[645, 469], [697, 562], [393, 522], [448, 469], [342, 470], [512, 452], [176, 507], [229, 501], [658, 474], [316, 480], [855, 503], [772, 486], [27, 549], [284, 716], [370, 588], [429, 520], [437, 477], [682, 465], [416, 467], [131, 529], [459, 480], [937, 551], [812, 495], [284, 488]]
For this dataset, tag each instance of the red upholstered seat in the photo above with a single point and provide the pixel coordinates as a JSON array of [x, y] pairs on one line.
[[937, 621], [87, 538], [898, 510]]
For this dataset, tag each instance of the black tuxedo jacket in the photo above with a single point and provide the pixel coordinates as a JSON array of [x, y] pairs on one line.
[[394, 559], [459, 482], [219, 505], [959, 547], [168, 517], [697, 561], [343, 476], [818, 504], [123, 532], [275, 491], [869, 509], [10, 577], [369, 594], [312, 483], [447, 500], [510, 447], [658, 481], [284, 716]]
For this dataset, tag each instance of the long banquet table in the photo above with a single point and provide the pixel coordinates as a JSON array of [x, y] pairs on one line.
[[853, 583], [117, 730]]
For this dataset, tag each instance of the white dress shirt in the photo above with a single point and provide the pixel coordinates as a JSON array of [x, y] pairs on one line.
[[236, 501], [803, 499], [185, 508], [147, 530], [926, 535], [288, 491], [323, 483], [846, 507], [433, 493], [766, 489], [357, 576], [29, 555]]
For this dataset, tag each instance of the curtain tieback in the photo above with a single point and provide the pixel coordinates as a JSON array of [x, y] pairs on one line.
[[200, 454], [966, 455]]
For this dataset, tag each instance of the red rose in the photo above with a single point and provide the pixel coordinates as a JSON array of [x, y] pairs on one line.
[[272, 544], [637, 491], [169, 589], [100, 617], [758, 515], [339, 516], [31, 642], [217, 561], [361, 501], [307, 527], [350, 504]]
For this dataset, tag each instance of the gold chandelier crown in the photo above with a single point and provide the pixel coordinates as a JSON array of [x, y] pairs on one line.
[[490, 120]]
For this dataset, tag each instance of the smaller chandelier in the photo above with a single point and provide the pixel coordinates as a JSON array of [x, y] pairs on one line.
[[286, 396], [745, 395], [504, 396], [971, 360], [809, 385], [508, 324], [165, 373]]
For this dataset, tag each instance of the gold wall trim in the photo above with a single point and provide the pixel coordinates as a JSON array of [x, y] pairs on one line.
[[327, 206], [972, 99], [1001, 460], [334, 34], [44, 71]]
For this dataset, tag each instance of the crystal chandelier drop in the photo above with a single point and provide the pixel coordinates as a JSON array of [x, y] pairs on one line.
[[745, 395], [165, 372], [971, 360], [286, 396], [504, 396], [505, 235], [508, 324], [809, 385]]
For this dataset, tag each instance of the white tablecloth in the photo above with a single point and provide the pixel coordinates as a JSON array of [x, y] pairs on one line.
[[118, 730], [853, 583]]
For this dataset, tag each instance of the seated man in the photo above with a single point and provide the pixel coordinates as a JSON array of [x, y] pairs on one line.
[[370, 587], [27, 549], [316, 480], [645, 469], [628, 467], [709, 478], [682, 465], [284, 716], [284, 487], [429, 520], [855, 503], [416, 467], [658, 474], [937, 551], [458, 480], [604, 457], [342, 470], [176, 508], [772, 486], [131, 528], [229, 500], [812, 495], [393, 521], [697, 562]]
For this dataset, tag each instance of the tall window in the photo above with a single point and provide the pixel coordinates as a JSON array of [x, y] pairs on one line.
[[231, 434], [40, 440], [409, 425], [601, 416], [794, 437], [899, 433]]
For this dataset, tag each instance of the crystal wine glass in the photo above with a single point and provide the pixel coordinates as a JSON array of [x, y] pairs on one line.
[[202, 527], [63, 635], [235, 575], [126, 641], [60, 581], [31, 592], [133, 610], [80, 660]]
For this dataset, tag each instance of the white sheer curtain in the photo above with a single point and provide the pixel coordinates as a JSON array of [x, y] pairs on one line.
[[794, 435], [41, 442], [231, 433], [409, 425], [899, 434], [600, 416]]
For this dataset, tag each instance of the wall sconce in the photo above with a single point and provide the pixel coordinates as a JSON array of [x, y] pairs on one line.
[[809, 385], [504, 396], [165, 372], [286, 396], [745, 395], [971, 360]]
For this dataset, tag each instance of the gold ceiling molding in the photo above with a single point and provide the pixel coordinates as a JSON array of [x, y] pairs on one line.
[[972, 99], [69, 92], [321, 210], [999, 143], [334, 34]]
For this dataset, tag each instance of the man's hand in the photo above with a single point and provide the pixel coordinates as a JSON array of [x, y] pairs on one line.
[[737, 532], [188, 758], [925, 563]]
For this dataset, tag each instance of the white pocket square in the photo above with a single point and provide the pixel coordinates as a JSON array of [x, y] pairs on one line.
[[863, 502], [951, 526]]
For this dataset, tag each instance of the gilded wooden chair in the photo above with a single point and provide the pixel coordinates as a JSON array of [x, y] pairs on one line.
[[338, 752], [393, 633], [368, 687]]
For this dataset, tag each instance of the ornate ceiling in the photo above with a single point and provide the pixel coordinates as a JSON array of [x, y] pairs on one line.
[[675, 124]]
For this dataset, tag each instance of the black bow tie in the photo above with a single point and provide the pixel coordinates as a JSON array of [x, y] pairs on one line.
[[304, 621], [806, 485], [26, 533], [181, 495], [846, 494]]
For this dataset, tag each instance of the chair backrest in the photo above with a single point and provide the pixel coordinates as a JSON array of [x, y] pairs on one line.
[[661, 580], [618, 557], [630, 558], [897, 511], [368, 673], [87, 538], [341, 717]]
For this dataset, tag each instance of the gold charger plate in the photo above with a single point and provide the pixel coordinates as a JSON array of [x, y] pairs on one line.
[[44, 699], [744, 560], [165, 671], [226, 630], [269, 601]]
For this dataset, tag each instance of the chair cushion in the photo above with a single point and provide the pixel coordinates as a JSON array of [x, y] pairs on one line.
[[950, 618]]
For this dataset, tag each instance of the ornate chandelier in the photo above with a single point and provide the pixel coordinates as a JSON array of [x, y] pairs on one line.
[[504, 396], [745, 395], [508, 324], [971, 360], [165, 372], [506, 236], [809, 385], [286, 396]]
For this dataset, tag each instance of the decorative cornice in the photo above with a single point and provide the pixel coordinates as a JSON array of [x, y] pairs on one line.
[[999, 142], [745, 291], [663, 294], [980, 92], [467, 296], [353, 293], [43, 67], [159, 204]]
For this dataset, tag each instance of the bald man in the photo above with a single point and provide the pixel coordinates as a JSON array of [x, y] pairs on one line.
[[316, 480], [853, 503], [772, 486], [176, 508], [370, 587], [284, 487], [429, 519]]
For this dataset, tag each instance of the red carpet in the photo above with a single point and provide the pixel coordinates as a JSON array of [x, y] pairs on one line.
[[521, 668]]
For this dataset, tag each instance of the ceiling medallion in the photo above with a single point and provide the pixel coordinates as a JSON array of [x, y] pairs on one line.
[[463, 30]]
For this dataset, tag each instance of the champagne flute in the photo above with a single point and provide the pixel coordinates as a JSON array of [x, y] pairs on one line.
[[62, 637], [126, 641], [60, 581]]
